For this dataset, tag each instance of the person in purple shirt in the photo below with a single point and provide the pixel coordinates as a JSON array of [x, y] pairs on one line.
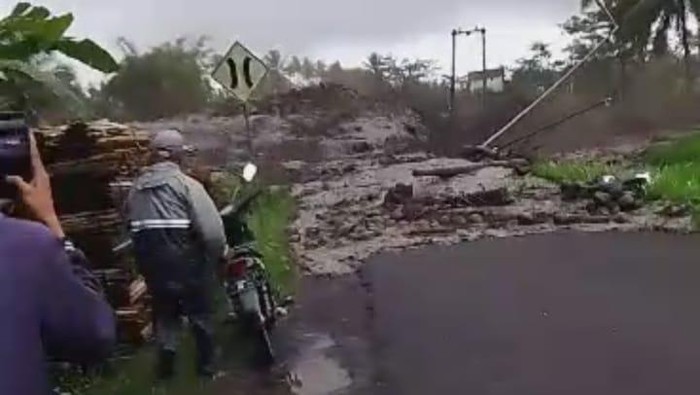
[[50, 304]]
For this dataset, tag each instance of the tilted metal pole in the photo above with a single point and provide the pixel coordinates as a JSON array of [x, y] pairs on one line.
[[559, 82], [610, 15], [454, 70], [483, 43], [546, 94]]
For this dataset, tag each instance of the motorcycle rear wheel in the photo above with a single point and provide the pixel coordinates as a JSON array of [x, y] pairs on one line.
[[258, 332]]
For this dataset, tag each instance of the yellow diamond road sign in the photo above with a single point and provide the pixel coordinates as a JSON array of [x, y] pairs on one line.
[[240, 71]]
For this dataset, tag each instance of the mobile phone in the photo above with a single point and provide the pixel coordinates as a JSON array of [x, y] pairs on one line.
[[15, 155]]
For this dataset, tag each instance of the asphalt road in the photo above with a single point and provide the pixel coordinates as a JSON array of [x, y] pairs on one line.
[[557, 314]]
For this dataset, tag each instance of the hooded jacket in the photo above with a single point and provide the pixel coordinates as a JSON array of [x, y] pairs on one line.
[[177, 231]]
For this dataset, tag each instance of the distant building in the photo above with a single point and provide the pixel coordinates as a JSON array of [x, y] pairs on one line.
[[495, 80]]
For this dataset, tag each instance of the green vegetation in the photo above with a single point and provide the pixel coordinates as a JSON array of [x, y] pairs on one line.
[[28, 36], [681, 150], [166, 81], [677, 170], [679, 183], [270, 218], [649, 23], [674, 165], [572, 171]]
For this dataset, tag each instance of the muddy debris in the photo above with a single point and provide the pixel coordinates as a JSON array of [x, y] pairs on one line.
[[489, 198], [606, 198], [449, 172], [675, 210], [371, 185], [415, 211]]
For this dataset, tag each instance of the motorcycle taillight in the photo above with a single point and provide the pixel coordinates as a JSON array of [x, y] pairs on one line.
[[236, 268]]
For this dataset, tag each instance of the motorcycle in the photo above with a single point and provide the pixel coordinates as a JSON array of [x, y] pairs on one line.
[[246, 278]]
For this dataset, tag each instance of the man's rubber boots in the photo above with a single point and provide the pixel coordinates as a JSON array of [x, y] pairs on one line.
[[166, 364]]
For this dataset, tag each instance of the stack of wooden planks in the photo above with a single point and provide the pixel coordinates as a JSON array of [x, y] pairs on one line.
[[90, 166]]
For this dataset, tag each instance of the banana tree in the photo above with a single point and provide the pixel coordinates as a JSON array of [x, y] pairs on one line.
[[30, 31]]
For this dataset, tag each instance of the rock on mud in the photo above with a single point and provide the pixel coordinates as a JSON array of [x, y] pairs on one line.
[[400, 194]]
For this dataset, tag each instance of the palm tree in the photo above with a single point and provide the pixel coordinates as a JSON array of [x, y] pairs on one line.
[[376, 64], [650, 22], [294, 65], [273, 59]]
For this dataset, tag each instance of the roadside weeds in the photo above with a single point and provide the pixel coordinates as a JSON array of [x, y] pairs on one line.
[[572, 171], [674, 166]]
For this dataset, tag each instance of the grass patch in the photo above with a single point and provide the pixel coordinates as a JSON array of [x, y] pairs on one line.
[[681, 150], [678, 183], [269, 220], [572, 171], [674, 165], [676, 174]]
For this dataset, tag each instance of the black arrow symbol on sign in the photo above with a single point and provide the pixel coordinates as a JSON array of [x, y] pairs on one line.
[[233, 71], [246, 71]]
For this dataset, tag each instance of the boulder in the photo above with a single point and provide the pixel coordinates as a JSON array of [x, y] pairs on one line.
[[399, 194], [489, 197], [628, 202], [475, 218], [526, 219], [602, 198]]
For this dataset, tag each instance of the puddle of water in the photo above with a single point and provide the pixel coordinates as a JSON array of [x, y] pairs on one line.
[[313, 372]]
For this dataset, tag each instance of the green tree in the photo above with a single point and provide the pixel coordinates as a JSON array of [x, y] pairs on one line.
[[321, 67], [377, 65], [387, 69], [335, 66], [538, 71], [417, 70], [609, 65], [168, 80], [30, 32], [308, 69], [647, 23], [293, 66], [587, 31], [273, 59]]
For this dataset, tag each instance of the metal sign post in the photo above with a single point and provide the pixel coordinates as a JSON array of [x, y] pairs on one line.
[[248, 131]]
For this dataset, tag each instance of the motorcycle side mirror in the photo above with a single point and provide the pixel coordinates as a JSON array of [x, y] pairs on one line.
[[249, 172]]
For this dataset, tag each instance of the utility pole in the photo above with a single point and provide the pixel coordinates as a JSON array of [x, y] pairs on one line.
[[483, 58], [454, 71], [455, 33]]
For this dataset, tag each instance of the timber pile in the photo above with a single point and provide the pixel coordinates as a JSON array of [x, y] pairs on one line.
[[90, 165]]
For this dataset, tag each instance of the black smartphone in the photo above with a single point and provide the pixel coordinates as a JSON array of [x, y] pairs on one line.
[[15, 155]]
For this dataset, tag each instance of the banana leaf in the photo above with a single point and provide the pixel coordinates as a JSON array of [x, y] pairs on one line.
[[88, 52]]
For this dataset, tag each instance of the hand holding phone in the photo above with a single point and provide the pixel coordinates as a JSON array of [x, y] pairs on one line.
[[15, 155], [31, 183]]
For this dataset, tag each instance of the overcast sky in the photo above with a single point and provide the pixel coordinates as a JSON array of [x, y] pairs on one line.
[[344, 30]]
